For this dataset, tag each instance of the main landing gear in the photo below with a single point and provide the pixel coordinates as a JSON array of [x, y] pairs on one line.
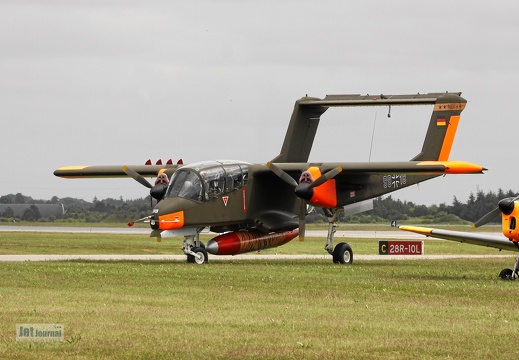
[[509, 274], [342, 253], [195, 249]]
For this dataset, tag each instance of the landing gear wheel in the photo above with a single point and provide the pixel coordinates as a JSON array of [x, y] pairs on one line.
[[202, 257], [343, 254], [507, 274]]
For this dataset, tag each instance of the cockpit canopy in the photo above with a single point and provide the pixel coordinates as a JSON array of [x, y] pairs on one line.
[[207, 180]]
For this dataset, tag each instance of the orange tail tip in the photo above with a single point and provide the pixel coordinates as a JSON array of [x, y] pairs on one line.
[[457, 167]]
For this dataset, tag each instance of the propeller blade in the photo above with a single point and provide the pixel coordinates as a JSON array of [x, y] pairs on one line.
[[488, 217], [282, 175], [326, 176], [302, 220], [137, 177]]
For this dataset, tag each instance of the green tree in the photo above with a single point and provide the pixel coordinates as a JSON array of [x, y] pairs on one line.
[[8, 213], [31, 214]]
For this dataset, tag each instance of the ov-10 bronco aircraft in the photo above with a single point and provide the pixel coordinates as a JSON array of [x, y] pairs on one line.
[[260, 206], [509, 210]]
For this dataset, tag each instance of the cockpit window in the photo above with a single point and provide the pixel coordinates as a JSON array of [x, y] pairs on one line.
[[233, 177], [186, 184], [208, 180], [214, 182]]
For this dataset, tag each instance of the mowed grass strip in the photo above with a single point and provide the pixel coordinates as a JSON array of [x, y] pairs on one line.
[[308, 309], [17, 243]]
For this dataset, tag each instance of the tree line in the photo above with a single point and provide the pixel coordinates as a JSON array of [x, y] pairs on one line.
[[385, 209]]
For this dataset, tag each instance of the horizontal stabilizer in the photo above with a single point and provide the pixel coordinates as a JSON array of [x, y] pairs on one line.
[[373, 100]]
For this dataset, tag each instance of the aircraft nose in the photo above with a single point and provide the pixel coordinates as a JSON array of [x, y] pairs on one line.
[[506, 205], [170, 221]]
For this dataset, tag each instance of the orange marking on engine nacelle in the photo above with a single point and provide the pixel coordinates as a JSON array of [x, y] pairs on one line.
[[325, 195], [171, 221]]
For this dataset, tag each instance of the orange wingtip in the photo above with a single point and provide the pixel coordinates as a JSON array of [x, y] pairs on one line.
[[416, 229], [457, 167], [65, 168]]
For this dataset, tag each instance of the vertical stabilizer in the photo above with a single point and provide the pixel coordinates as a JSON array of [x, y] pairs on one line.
[[442, 128], [301, 132]]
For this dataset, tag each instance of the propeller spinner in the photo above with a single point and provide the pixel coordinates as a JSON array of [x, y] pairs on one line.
[[158, 190]]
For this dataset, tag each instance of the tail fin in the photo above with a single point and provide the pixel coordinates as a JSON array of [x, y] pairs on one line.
[[442, 128], [307, 112], [301, 131]]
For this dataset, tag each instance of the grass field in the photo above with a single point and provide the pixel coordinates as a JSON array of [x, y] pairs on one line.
[[276, 309]]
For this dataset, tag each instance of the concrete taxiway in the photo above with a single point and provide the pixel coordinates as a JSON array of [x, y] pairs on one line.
[[371, 234], [122, 257], [363, 234]]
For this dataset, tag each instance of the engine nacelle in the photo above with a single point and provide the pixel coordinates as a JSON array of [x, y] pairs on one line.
[[509, 223], [324, 195], [239, 242]]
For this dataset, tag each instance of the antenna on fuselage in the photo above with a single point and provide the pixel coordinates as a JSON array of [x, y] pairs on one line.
[[372, 136]]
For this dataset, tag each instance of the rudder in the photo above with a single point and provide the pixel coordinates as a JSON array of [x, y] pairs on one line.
[[442, 128]]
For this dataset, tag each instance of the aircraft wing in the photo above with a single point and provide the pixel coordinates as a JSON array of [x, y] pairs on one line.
[[498, 242], [109, 171], [402, 167]]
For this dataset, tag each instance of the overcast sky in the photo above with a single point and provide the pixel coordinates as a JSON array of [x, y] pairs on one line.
[[119, 82]]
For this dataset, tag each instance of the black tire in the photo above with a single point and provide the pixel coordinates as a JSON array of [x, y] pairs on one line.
[[343, 254], [506, 274], [200, 251]]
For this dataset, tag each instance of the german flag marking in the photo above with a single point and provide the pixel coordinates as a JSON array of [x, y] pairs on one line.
[[441, 121]]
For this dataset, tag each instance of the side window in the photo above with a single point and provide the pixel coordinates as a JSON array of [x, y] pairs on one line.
[[233, 178], [245, 174], [214, 182]]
